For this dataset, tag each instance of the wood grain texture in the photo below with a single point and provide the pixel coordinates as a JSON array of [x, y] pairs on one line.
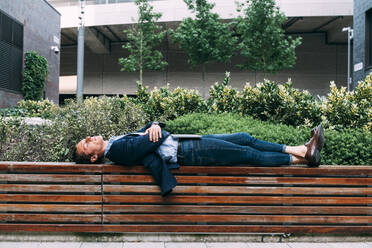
[[240, 190], [65, 197], [49, 198], [186, 209], [249, 219], [360, 171], [51, 227], [239, 229], [239, 180], [50, 167], [50, 178], [92, 218], [14, 207], [25, 188], [196, 199]]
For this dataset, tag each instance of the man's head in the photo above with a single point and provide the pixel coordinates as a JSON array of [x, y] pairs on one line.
[[90, 150]]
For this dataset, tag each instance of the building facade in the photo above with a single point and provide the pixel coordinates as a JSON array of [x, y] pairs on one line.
[[27, 25], [362, 40], [321, 58]]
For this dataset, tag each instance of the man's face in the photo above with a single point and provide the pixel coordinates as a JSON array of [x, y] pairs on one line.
[[91, 146]]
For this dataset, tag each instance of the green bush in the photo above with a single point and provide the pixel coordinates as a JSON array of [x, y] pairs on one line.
[[164, 104], [267, 101], [280, 103], [44, 109], [344, 109], [349, 147], [6, 112], [222, 97], [29, 108], [34, 76], [106, 116]]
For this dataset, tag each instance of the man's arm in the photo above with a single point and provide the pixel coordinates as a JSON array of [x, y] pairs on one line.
[[148, 125]]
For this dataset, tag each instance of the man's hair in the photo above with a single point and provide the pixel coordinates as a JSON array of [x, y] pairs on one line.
[[81, 158]]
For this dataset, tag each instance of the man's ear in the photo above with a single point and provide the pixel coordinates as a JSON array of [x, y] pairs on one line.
[[93, 158]]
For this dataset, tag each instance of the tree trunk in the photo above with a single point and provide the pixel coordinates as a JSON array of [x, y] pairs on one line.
[[204, 83], [141, 59]]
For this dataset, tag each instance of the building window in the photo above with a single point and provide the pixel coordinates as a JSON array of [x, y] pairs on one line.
[[11, 53], [369, 38]]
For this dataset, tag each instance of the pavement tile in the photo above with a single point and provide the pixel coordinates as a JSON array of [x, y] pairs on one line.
[[227, 245], [113, 245], [9, 244], [267, 245], [19, 244], [60, 245], [98, 245], [330, 245], [143, 245], [185, 245], [348, 245], [310, 245], [91, 245]]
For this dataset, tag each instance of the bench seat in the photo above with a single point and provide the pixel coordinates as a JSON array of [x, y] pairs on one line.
[[68, 197]]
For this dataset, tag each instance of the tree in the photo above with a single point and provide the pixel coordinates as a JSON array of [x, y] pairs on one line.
[[143, 37], [262, 39], [204, 39]]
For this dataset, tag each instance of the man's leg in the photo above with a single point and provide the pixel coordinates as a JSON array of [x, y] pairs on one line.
[[212, 151], [244, 139]]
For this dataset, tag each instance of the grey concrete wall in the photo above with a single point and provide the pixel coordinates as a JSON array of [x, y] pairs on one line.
[[41, 24], [8, 99], [360, 9], [317, 65]]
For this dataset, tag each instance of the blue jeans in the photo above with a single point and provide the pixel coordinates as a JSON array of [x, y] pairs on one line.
[[232, 149]]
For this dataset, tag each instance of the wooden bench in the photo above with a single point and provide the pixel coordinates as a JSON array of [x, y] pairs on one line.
[[65, 197]]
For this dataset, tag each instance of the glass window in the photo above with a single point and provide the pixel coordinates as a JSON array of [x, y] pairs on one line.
[[369, 38]]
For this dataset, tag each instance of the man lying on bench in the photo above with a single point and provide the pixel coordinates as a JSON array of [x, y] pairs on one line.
[[159, 151]]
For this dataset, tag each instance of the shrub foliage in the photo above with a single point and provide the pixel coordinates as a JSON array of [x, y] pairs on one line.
[[164, 104], [282, 103]]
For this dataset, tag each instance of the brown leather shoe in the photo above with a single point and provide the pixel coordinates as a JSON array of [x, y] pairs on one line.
[[321, 137], [312, 132], [314, 147]]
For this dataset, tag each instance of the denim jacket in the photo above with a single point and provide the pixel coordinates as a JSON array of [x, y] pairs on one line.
[[133, 149]]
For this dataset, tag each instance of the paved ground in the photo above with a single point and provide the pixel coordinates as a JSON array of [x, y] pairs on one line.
[[180, 245]]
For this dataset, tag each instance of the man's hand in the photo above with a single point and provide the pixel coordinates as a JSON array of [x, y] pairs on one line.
[[154, 132]]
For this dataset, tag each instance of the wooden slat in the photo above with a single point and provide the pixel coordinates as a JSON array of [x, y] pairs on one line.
[[313, 229], [253, 219], [50, 178], [333, 170], [239, 190], [50, 208], [335, 210], [194, 199], [238, 229], [49, 198], [50, 218], [51, 227], [238, 180], [9, 166], [50, 188]]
